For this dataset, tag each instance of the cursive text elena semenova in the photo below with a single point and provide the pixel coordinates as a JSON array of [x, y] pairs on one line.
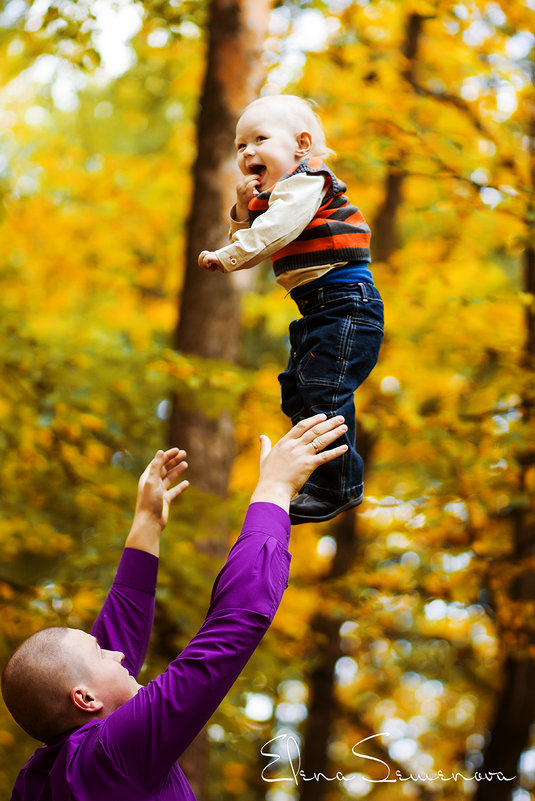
[[293, 757]]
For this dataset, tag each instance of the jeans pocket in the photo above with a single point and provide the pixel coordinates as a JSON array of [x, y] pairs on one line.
[[323, 358], [371, 313], [316, 369]]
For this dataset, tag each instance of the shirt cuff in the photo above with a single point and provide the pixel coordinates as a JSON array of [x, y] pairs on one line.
[[245, 223], [267, 518], [137, 569]]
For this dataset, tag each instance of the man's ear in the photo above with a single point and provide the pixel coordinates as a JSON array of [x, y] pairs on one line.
[[303, 144], [84, 700]]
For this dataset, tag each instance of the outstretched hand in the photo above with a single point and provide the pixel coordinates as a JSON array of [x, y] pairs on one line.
[[154, 496], [209, 261], [285, 467], [155, 493]]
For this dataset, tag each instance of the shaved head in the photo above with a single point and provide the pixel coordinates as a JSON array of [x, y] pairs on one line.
[[37, 680], [59, 678]]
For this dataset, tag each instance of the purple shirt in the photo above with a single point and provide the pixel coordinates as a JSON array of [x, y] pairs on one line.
[[131, 754]]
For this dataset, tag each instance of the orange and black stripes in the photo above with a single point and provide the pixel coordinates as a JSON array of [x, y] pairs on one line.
[[337, 233]]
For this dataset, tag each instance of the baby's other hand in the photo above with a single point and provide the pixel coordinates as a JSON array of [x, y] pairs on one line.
[[244, 192], [209, 261]]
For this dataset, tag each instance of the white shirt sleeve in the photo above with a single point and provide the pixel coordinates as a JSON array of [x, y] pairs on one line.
[[292, 205]]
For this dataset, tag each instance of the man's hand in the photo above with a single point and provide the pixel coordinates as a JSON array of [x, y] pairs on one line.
[[244, 192], [209, 261], [285, 467], [154, 496]]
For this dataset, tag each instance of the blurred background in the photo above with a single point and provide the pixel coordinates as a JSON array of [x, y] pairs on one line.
[[408, 624]]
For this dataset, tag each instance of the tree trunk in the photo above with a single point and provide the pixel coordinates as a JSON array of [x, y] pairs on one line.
[[322, 711], [515, 708], [385, 226], [322, 706], [209, 318]]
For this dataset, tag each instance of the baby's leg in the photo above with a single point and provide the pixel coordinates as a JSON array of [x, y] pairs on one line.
[[334, 348]]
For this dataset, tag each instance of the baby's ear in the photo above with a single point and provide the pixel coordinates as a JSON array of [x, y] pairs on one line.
[[303, 144]]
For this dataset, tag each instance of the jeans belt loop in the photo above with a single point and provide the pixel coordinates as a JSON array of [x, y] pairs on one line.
[[320, 297], [363, 292]]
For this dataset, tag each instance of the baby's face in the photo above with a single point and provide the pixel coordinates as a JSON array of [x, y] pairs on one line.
[[266, 145]]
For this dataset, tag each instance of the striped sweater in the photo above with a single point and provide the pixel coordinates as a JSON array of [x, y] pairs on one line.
[[337, 233]]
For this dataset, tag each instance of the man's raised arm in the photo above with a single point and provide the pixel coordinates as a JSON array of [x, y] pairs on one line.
[[125, 621]]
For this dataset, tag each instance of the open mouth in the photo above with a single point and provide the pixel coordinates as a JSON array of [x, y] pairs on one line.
[[257, 169]]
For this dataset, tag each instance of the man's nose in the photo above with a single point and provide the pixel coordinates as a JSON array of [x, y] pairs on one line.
[[248, 150], [118, 656]]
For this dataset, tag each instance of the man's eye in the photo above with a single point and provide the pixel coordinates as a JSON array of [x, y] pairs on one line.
[[240, 147], [261, 138]]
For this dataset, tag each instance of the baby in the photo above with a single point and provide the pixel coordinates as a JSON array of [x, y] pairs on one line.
[[290, 206]]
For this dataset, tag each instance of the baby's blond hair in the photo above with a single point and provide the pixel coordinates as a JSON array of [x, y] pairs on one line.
[[300, 114]]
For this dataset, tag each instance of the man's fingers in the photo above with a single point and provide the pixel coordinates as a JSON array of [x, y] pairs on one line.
[[154, 467], [265, 446], [333, 453], [301, 428], [172, 452], [311, 428], [322, 428], [173, 457], [174, 492], [327, 437], [173, 474]]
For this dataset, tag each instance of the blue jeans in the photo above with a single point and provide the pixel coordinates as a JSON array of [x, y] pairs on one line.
[[334, 347]]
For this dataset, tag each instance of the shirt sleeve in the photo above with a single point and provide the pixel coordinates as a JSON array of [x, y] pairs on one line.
[[292, 205], [127, 615], [147, 734], [236, 225]]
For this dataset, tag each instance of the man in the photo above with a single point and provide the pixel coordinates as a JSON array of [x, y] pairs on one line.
[[106, 736]]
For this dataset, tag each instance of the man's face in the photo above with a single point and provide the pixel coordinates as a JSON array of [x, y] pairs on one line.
[[266, 145], [101, 671]]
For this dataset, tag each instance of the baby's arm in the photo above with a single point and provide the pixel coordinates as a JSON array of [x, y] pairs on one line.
[[239, 218], [292, 205]]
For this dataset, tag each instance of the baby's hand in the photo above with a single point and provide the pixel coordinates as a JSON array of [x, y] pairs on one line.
[[244, 192], [209, 261]]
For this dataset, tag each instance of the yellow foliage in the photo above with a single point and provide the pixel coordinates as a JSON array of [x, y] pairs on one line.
[[6, 739], [6, 592], [84, 601], [92, 237], [297, 610]]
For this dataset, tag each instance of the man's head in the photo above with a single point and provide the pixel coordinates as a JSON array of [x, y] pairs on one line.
[[274, 133], [59, 678]]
